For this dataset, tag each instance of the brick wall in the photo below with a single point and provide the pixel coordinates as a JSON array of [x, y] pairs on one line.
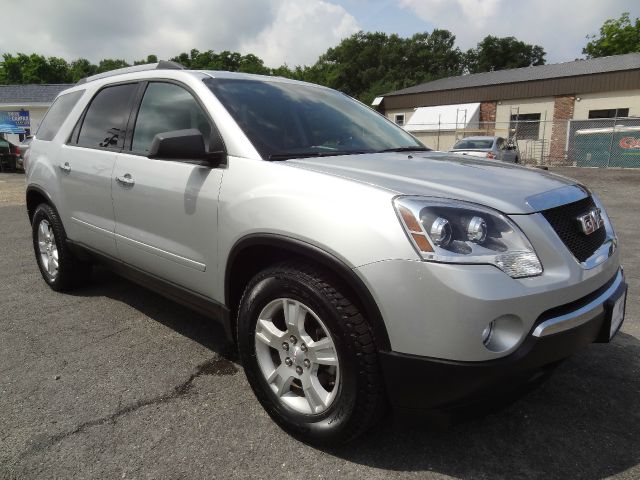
[[562, 112], [488, 111]]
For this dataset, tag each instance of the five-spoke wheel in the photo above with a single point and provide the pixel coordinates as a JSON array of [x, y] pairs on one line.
[[297, 355]]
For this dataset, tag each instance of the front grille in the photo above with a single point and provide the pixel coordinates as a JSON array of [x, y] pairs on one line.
[[564, 221]]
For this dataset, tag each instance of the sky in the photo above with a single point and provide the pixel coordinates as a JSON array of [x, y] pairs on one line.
[[292, 32]]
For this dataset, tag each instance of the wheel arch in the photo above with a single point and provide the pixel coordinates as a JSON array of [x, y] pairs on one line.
[[35, 196], [254, 252]]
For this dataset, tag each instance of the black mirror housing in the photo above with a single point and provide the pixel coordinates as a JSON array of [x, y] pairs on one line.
[[185, 144]]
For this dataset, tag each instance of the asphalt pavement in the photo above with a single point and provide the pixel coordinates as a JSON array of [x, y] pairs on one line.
[[113, 381]]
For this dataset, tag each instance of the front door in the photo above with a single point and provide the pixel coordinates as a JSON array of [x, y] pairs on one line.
[[166, 211]]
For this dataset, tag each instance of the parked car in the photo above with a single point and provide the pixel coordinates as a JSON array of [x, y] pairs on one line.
[[493, 148], [9, 155], [352, 266], [23, 148]]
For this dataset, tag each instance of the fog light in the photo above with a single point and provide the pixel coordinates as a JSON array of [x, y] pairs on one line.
[[486, 334]]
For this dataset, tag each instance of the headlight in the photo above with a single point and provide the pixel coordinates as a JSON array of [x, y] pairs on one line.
[[452, 231]]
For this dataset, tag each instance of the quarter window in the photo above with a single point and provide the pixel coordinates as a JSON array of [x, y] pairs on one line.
[[106, 118], [167, 107], [57, 114]]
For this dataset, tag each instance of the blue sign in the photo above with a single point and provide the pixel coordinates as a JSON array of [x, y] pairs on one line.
[[19, 117]]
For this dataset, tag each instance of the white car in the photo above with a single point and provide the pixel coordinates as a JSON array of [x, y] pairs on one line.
[[492, 148]]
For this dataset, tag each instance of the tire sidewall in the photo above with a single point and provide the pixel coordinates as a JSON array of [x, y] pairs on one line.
[[260, 292], [45, 212]]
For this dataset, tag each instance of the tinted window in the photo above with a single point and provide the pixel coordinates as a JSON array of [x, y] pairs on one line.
[[166, 107], [287, 119], [57, 114], [106, 118], [471, 144]]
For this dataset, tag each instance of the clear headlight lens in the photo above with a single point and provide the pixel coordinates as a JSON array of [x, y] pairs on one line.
[[452, 231]]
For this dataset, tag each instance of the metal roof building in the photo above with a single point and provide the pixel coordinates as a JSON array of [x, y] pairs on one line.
[[25, 105], [537, 106]]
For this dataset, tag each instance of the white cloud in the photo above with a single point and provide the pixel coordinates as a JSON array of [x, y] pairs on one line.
[[560, 26], [303, 29], [290, 31]]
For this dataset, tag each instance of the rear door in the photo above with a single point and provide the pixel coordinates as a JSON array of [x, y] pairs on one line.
[[86, 164], [166, 211]]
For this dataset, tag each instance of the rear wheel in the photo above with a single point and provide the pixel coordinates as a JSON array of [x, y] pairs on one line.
[[309, 354], [58, 266]]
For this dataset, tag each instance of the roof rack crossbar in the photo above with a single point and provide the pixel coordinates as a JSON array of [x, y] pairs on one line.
[[161, 65]]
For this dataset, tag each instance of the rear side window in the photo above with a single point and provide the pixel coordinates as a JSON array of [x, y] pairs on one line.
[[106, 119], [57, 114], [167, 107]]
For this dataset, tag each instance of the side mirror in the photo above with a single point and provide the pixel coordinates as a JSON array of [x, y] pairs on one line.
[[183, 145]]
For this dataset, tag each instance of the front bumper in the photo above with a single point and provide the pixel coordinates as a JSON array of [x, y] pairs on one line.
[[417, 382]]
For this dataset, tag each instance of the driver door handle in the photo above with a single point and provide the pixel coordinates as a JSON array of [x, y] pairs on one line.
[[66, 168], [126, 180]]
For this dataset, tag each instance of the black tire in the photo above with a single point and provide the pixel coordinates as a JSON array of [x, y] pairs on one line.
[[517, 160], [71, 272], [360, 400]]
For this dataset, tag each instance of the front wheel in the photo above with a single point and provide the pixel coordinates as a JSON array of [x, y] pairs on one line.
[[309, 354]]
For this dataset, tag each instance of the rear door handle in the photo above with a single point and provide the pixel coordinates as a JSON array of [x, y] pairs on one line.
[[126, 180], [66, 168]]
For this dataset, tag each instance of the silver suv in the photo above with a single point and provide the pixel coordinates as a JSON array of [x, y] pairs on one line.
[[352, 266]]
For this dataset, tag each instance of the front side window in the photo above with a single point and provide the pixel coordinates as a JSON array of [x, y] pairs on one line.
[[57, 114], [287, 120], [166, 107], [106, 119]]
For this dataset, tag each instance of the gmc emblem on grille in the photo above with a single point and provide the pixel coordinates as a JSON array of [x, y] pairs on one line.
[[591, 221]]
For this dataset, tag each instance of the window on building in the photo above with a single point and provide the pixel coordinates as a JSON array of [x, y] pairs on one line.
[[525, 126], [105, 120], [609, 113], [399, 119]]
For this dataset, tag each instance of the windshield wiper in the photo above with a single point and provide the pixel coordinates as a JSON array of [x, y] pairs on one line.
[[332, 153], [405, 149]]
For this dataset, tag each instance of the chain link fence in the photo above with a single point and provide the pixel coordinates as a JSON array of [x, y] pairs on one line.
[[604, 142]]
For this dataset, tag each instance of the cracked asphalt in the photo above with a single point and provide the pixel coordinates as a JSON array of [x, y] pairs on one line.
[[114, 381]]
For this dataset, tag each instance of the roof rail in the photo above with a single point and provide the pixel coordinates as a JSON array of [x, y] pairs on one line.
[[161, 65]]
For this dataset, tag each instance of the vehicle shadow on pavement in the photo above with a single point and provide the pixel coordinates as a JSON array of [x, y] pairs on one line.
[[583, 422], [206, 331]]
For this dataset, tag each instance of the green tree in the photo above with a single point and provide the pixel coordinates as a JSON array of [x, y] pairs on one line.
[[617, 36], [82, 68], [150, 59], [109, 64], [493, 53], [369, 64]]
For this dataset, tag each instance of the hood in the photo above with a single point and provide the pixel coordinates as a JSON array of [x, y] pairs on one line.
[[506, 187]]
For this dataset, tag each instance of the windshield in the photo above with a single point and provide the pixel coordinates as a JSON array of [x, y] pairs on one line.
[[286, 120], [470, 144]]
